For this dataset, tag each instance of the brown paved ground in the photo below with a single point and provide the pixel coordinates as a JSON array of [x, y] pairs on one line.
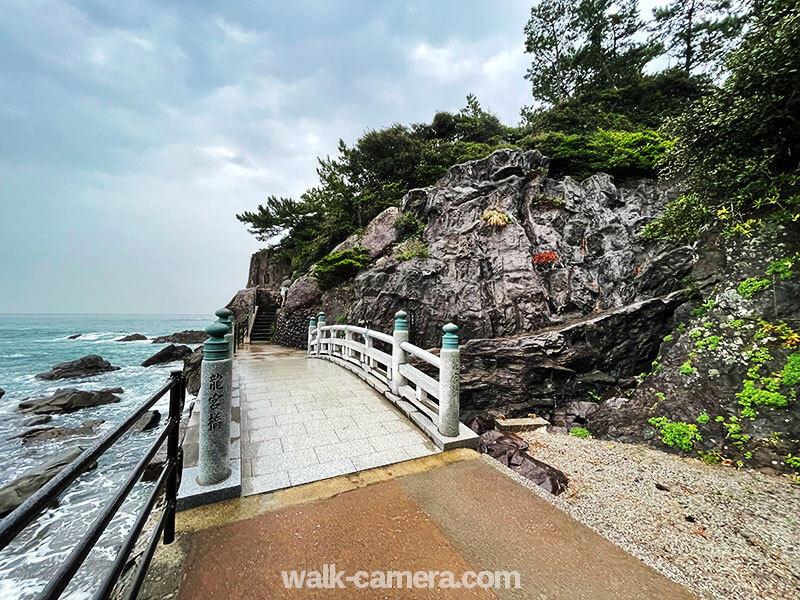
[[445, 512]]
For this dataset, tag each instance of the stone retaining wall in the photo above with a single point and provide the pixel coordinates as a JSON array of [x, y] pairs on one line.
[[292, 329]]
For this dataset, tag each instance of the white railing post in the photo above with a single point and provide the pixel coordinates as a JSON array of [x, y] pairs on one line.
[[399, 356], [368, 345], [312, 325], [320, 333], [449, 386], [348, 351]]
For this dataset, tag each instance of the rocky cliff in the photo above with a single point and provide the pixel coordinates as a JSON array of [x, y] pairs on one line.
[[561, 305]]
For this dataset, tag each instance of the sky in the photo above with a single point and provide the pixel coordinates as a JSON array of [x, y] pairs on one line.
[[132, 133]]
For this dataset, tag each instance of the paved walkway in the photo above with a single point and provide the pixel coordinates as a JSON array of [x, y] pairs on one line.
[[451, 511], [305, 420]]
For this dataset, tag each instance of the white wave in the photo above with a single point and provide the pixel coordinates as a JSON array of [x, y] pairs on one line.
[[13, 355]]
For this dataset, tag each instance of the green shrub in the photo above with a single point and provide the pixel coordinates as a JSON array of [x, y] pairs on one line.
[[703, 418], [678, 433], [751, 286], [686, 368], [624, 154], [340, 266], [408, 226], [579, 432], [791, 370], [412, 248]]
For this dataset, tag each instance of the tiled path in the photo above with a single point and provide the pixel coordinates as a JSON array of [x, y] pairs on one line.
[[306, 419]]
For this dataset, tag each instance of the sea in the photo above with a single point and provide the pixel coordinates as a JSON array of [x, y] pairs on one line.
[[31, 344]]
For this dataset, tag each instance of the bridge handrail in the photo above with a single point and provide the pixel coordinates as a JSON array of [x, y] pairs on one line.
[[403, 379], [168, 480]]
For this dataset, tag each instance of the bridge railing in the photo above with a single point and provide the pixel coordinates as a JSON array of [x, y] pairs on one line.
[[168, 482], [436, 396]]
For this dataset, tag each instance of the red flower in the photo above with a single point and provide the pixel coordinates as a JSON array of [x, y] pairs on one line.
[[545, 258]]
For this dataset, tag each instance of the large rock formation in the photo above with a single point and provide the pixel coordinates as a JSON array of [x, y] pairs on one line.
[[267, 271], [39, 434], [191, 370], [69, 400], [377, 237], [188, 336], [168, 354], [83, 367], [134, 337], [730, 367], [19, 490]]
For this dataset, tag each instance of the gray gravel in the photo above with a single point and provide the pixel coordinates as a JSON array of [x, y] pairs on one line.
[[722, 532]]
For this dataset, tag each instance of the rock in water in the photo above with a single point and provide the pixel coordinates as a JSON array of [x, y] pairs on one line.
[[182, 337], [134, 337], [74, 337], [83, 367], [39, 434], [510, 450], [19, 490], [148, 421], [37, 421], [2, 392], [69, 400], [191, 371], [168, 354]]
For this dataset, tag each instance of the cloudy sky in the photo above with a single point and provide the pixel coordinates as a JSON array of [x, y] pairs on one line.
[[134, 131]]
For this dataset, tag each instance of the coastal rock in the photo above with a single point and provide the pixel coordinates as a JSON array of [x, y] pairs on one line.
[[242, 302], [156, 466], [39, 434], [19, 490], [2, 392], [69, 400], [191, 371], [74, 337], [82, 367], [188, 336], [168, 354], [38, 420], [147, 421], [134, 337]]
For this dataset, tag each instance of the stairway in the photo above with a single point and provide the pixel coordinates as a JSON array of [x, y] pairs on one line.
[[264, 324]]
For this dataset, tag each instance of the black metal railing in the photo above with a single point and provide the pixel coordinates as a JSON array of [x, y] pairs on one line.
[[168, 482], [240, 332]]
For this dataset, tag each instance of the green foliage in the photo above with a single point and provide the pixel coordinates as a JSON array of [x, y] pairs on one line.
[[584, 45], [710, 458], [736, 149], [783, 267], [791, 370], [751, 286], [698, 32], [593, 397], [668, 338], [623, 154], [412, 248], [408, 226], [375, 173], [703, 309], [660, 395], [793, 461], [340, 266], [687, 368], [703, 418], [496, 217], [712, 342], [579, 432], [678, 433], [736, 323]]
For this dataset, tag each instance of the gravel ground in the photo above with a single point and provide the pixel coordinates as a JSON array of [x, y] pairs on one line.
[[724, 533]]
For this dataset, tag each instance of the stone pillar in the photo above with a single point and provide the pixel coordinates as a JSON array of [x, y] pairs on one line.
[[449, 385], [225, 316], [399, 356], [312, 325], [215, 407], [320, 325]]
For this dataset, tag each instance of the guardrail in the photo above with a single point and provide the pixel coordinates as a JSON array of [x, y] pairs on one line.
[[168, 482], [436, 396]]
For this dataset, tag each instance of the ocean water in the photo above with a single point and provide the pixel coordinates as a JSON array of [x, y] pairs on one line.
[[31, 344]]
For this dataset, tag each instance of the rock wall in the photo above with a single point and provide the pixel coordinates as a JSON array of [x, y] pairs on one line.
[[728, 357], [266, 271]]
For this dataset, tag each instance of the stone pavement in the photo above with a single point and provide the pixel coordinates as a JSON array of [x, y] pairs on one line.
[[305, 420], [451, 511]]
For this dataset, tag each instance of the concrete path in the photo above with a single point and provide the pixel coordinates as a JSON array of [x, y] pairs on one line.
[[305, 420], [447, 512]]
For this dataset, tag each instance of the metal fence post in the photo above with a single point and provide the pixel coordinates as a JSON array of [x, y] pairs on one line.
[[215, 407], [449, 386], [173, 453], [399, 356], [320, 333]]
